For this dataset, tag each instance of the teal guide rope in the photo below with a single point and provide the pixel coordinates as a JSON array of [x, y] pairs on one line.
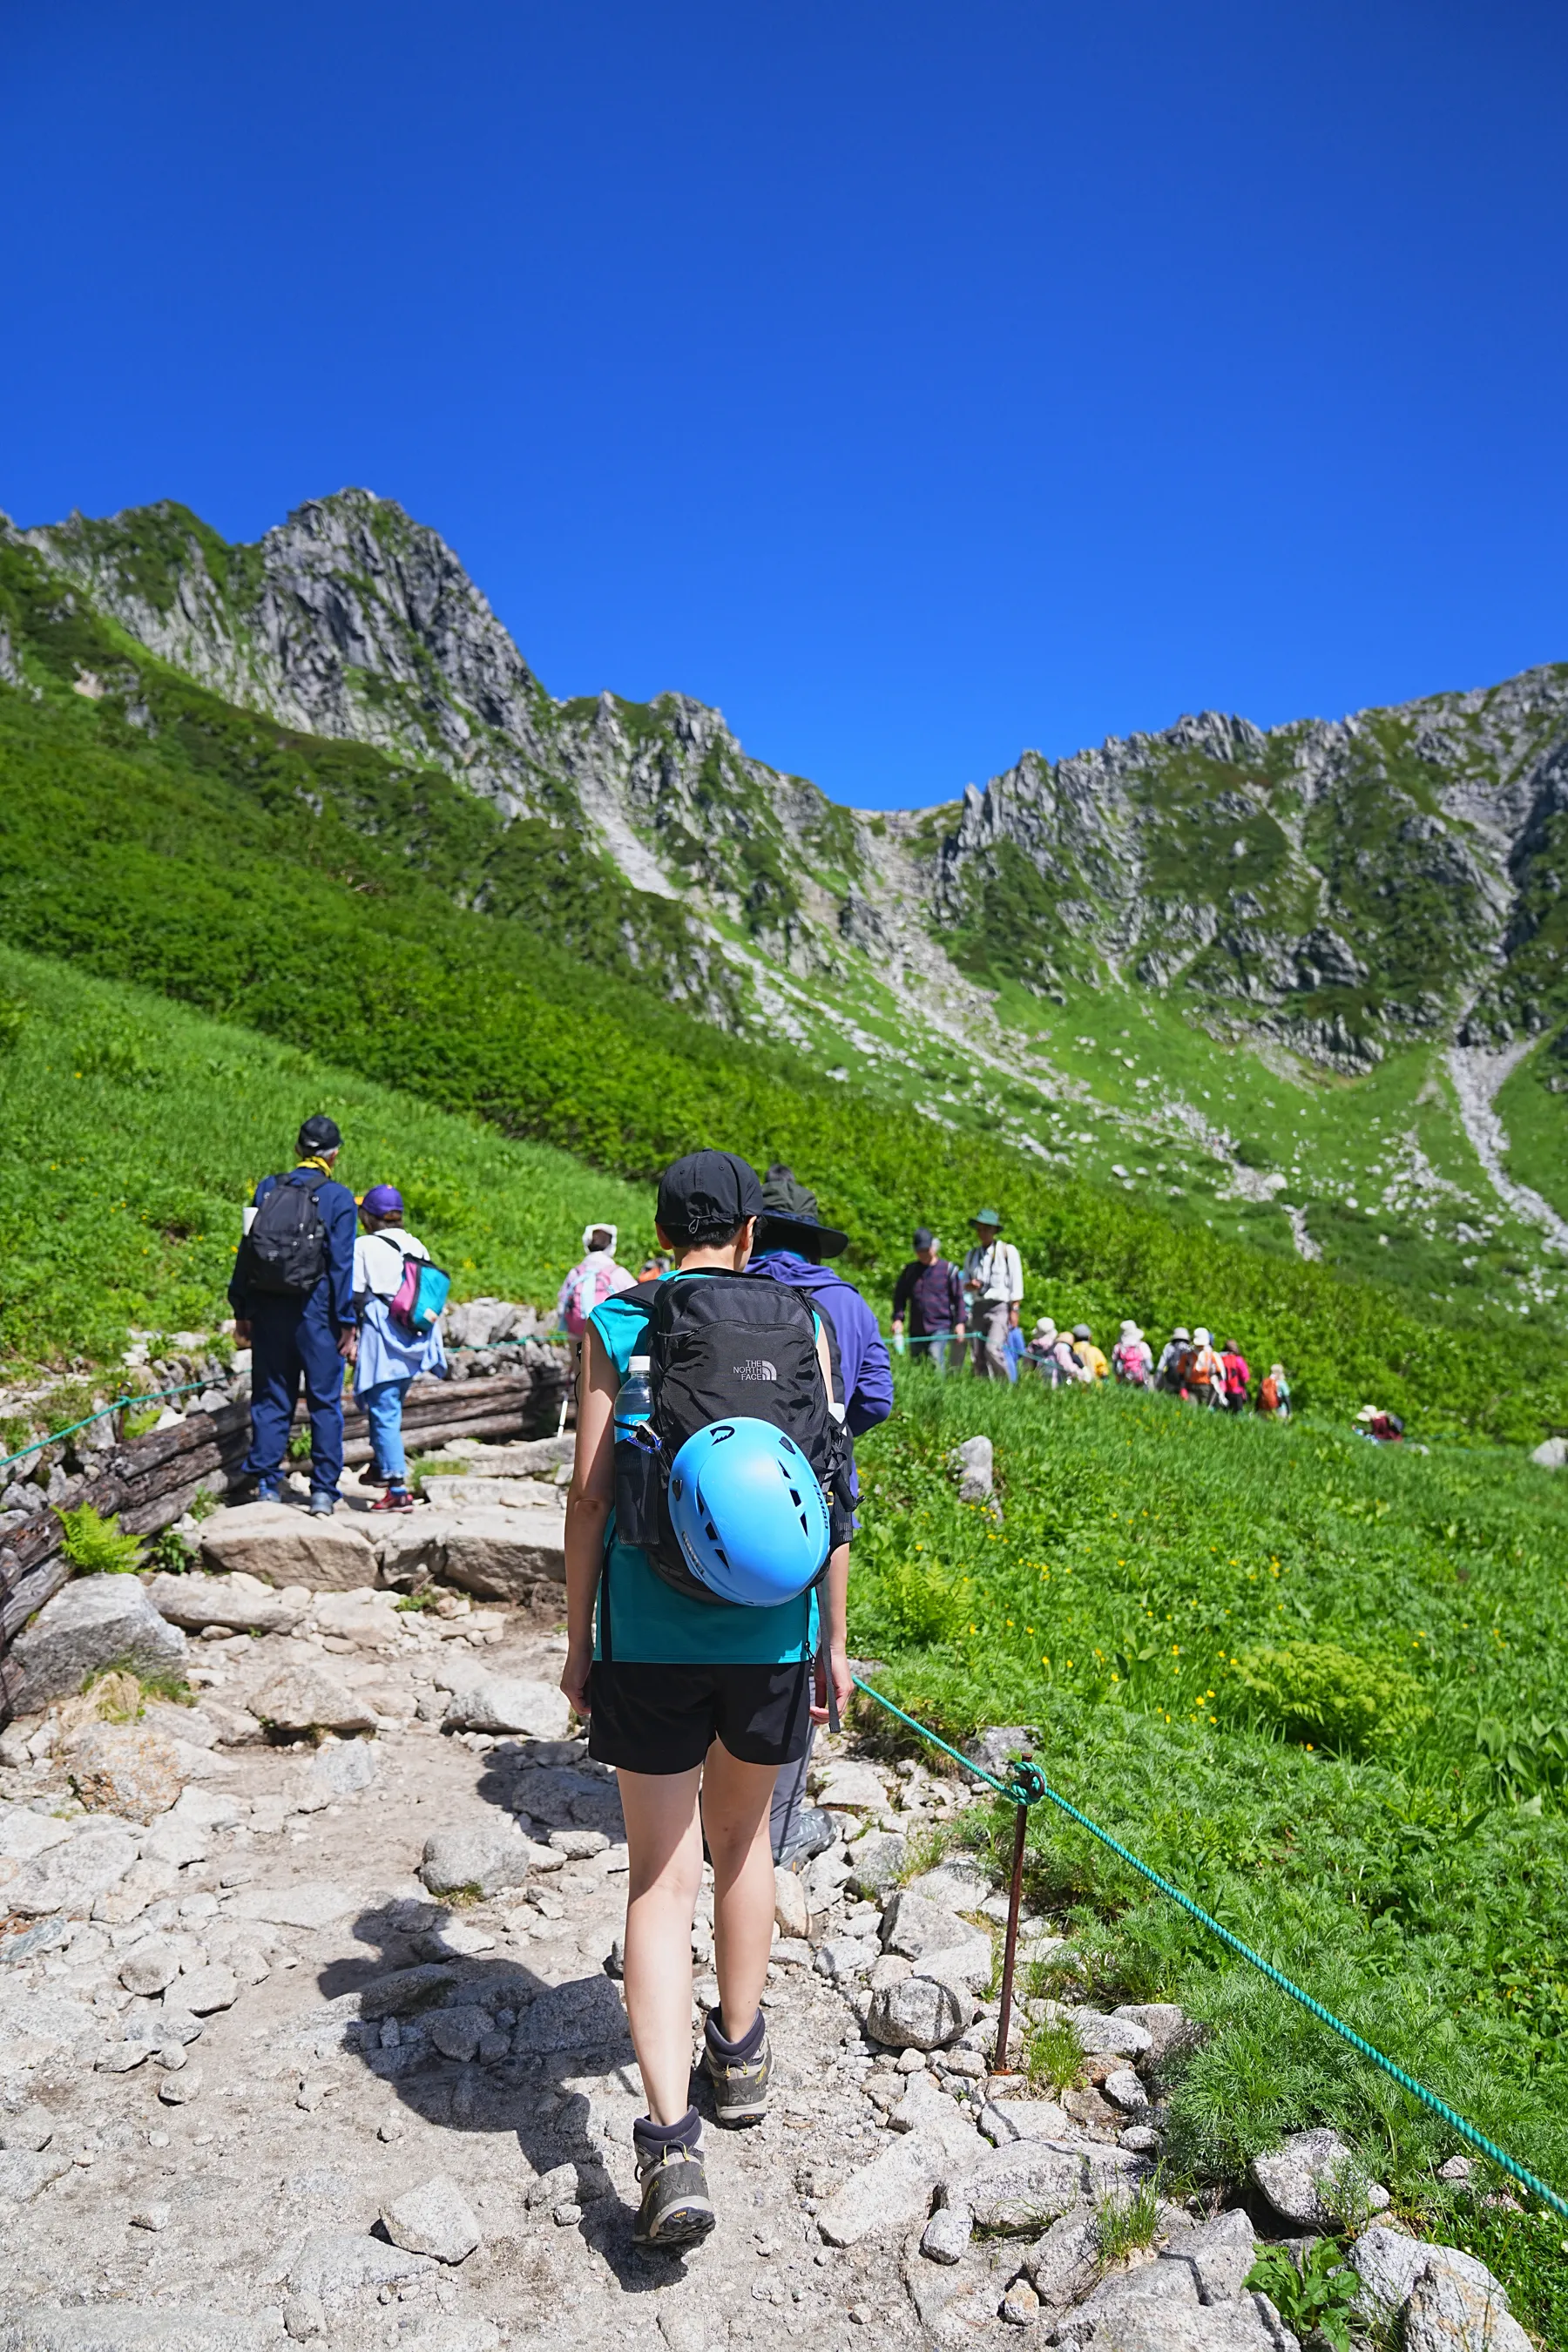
[[142, 1396], [1030, 1785]]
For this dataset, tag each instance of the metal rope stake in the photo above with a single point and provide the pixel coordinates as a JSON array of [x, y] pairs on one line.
[[1029, 1785]]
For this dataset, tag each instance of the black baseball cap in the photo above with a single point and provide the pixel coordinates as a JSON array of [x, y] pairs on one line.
[[706, 1195], [924, 1237], [321, 1134]]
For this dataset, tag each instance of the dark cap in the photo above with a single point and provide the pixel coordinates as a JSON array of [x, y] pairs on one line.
[[706, 1195], [924, 1237], [321, 1134]]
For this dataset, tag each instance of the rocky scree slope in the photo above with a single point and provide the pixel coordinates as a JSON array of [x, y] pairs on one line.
[[322, 2043], [1339, 886]]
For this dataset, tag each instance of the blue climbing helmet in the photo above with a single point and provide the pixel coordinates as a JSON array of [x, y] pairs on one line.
[[748, 1512]]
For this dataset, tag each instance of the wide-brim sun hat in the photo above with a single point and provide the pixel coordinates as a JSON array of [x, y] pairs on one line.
[[1044, 1329], [790, 1220], [987, 1217], [1370, 1412], [1202, 1337], [1181, 1332], [1130, 1331]]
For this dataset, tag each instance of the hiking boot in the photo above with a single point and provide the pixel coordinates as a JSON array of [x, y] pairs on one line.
[[323, 1505], [740, 2085], [676, 2209], [269, 1490], [396, 1498]]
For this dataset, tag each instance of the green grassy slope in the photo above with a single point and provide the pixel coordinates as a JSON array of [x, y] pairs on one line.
[[133, 1130], [1534, 1106], [205, 853], [1316, 1683]]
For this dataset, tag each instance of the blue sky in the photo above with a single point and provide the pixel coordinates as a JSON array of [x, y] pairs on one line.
[[914, 383]]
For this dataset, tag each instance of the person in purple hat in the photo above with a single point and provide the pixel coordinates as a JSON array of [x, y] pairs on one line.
[[389, 1354]]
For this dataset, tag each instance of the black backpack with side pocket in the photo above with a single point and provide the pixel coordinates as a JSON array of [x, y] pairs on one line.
[[723, 1346], [286, 1248]]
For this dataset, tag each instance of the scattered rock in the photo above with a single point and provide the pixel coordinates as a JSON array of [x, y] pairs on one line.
[[912, 1927], [583, 2014], [789, 1903], [150, 1967], [994, 1750], [1551, 1453], [895, 2188], [843, 1957], [30, 2130], [917, 2014], [179, 2088], [948, 2233], [1124, 2090], [1220, 2253], [308, 1902], [1456, 2170], [206, 1989], [334, 2264], [1155, 2308], [71, 1877], [406, 1992], [240, 1602], [1020, 2305], [150, 2217], [299, 1698], [974, 1464], [967, 1967], [875, 1863], [24, 2171], [1162, 2021], [1388, 2262], [122, 2327], [852, 1788], [340, 1768], [124, 1767], [25, 1835], [1062, 2266], [1002, 2121], [487, 1857], [435, 2218], [494, 1703], [282, 1545], [1112, 2037], [1316, 2181], [97, 1620]]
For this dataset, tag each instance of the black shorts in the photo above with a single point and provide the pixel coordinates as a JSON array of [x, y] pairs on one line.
[[660, 1719]]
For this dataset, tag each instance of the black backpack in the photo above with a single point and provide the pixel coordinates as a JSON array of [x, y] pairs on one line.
[[721, 1345], [286, 1248]]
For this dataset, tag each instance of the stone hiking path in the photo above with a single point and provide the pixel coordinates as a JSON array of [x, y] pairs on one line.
[[323, 2043]]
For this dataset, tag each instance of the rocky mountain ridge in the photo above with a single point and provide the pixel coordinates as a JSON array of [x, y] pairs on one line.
[[1337, 885]]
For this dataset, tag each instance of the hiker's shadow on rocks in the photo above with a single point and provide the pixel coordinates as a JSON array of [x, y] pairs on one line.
[[481, 2041]]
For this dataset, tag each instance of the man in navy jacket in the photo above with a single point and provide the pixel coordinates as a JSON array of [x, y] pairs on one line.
[[300, 1336], [790, 1246]]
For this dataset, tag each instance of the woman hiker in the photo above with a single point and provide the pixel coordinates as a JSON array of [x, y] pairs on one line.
[[697, 1705], [389, 1355]]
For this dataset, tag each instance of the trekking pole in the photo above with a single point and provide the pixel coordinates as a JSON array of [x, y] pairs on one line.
[[1028, 1789]]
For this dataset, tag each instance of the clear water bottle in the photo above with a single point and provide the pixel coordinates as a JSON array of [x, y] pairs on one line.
[[634, 1400]]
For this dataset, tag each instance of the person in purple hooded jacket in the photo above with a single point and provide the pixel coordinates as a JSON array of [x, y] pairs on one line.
[[790, 1245]]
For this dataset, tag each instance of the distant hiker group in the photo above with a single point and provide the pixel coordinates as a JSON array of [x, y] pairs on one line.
[[938, 1307]]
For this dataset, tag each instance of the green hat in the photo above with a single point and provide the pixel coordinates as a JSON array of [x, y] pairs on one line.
[[987, 1217]]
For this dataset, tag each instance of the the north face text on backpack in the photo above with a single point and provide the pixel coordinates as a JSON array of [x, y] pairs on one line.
[[759, 1369]]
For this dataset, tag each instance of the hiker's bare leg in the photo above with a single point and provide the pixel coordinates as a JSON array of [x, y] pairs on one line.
[[736, 1801], [664, 1846]]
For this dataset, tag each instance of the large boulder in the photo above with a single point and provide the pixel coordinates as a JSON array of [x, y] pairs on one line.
[[506, 1555], [1389, 2262], [368, 1619], [1024, 2185], [296, 1698], [124, 1767], [510, 1703], [241, 1603], [282, 1544], [994, 1749], [97, 1621], [1450, 2313], [875, 1863], [1551, 1453]]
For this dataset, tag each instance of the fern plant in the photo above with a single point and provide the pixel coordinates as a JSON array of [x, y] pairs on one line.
[[96, 1547]]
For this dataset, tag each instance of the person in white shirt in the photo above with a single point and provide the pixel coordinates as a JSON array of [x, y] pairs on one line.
[[994, 1285], [389, 1355]]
